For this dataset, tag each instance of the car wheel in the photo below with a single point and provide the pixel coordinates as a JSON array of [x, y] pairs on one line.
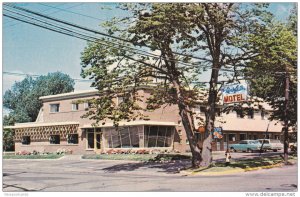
[[232, 149], [249, 150], [274, 150]]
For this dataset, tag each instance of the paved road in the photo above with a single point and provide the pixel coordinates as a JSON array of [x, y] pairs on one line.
[[73, 174]]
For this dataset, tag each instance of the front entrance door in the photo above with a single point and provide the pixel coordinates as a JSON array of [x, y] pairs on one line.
[[98, 137]]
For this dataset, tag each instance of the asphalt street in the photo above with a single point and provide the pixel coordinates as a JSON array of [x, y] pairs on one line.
[[74, 174]]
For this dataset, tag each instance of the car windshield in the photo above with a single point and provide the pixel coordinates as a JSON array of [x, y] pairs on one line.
[[255, 142]]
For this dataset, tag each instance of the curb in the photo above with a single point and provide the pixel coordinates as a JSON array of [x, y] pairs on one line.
[[227, 172]]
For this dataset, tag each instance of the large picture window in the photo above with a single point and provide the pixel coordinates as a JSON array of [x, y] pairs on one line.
[[131, 137], [158, 136], [124, 137]]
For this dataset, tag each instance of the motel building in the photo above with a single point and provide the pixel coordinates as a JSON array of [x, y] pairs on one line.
[[59, 126]]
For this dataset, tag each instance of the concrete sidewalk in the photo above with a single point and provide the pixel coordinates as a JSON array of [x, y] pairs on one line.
[[71, 157]]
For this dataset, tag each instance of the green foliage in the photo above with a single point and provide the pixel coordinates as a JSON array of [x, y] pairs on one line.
[[292, 20], [8, 140], [276, 53], [23, 98]]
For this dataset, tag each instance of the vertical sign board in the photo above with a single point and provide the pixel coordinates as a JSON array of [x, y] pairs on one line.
[[234, 93], [217, 133]]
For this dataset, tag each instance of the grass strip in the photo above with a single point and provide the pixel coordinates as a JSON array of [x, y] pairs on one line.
[[49, 156]]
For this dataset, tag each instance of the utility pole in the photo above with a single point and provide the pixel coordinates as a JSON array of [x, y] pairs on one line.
[[286, 127]]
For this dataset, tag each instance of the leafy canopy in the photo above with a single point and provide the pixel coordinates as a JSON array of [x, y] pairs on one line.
[[23, 98]]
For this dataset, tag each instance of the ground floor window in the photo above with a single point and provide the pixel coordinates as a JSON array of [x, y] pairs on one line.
[[26, 140], [254, 137], [158, 136], [72, 139], [268, 136], [123, 137], [231, 137], [54, 139], [249, 137], [277, 137], [242, 136], [139, 137]]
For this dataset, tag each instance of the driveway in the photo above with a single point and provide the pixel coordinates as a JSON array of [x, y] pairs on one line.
[[74, 174]]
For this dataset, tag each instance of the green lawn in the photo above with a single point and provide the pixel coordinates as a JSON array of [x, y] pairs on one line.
[[132, 157], [138, 157], [49, 156], [246, 164]]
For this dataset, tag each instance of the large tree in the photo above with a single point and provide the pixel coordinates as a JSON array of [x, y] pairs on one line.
[[214, 32], [23, 98], [276, 59]]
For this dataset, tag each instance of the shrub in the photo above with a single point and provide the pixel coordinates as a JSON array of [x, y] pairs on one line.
[[23, 152], [34, 152]]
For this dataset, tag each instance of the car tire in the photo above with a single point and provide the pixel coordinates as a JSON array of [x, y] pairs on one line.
[[249, 150], [274, 150], [232, 149]]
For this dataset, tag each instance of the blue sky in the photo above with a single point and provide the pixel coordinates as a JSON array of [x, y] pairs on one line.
[[32, 50]]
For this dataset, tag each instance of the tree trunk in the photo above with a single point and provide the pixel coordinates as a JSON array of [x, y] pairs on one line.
[[187, 122], [210, 119]]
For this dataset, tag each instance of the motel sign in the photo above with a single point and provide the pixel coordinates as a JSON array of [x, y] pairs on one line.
[[234, 93]]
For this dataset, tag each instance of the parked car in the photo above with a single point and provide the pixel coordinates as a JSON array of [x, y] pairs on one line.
[[248, 146], [275, 145]]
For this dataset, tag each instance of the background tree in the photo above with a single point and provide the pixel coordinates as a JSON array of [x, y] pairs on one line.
[[23, 98], [8, 140], [214, 32], [276, 47]]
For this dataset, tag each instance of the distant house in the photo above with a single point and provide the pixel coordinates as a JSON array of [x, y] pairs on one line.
[[59, 126]]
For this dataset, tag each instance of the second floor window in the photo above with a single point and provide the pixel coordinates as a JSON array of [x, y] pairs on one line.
[[75, 107], [87, 105], [54, 108]]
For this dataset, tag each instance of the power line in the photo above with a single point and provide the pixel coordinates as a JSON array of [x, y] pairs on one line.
[[44, 11], [65, 10], [88, 38], [149, 54], [36, 76], [66, 31], [92, 30]]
